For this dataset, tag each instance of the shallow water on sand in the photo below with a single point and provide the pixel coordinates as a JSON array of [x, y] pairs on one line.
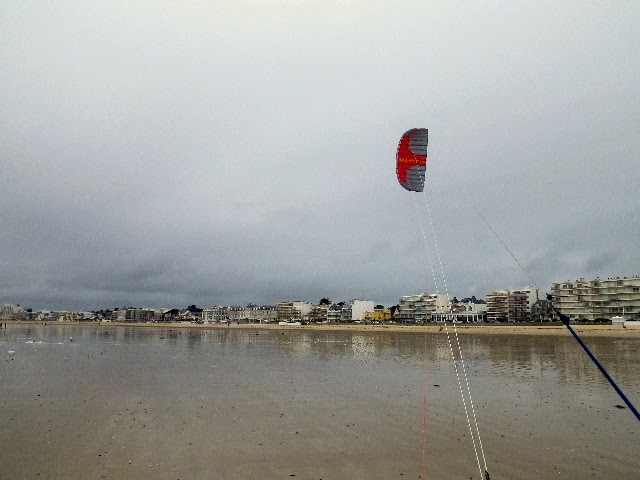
[[81, 402]]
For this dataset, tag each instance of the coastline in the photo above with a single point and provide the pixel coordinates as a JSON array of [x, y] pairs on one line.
[[462, 329]]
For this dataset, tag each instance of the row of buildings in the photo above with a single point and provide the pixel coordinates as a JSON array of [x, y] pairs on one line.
[[581, 300], [598, 299], [324, 312]]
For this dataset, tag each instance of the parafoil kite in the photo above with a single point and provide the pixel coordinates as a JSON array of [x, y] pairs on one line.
[[411, 159]]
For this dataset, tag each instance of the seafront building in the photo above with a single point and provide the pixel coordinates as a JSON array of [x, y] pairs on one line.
[[217, 314], [412, 308], [598, 299], [318, 313], [437, 304], [542, 311], [354, 310], [512, 305], [467, 310], [422, 307], [250, 313], [12, 312], [380, 315], [334, 313], [292, 311]]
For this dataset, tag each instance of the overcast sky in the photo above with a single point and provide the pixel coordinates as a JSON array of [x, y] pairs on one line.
[[169, 153]]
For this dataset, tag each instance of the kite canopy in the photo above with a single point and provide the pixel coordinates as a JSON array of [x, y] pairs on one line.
[[411, 159]]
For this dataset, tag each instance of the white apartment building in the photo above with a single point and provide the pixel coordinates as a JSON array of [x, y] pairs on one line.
[[436, 303], [467, 310], [412, 308], [594, 299], [354, 310], [423, 307]]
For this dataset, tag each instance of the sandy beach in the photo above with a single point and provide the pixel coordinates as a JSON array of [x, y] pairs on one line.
[[463, 329], [326, 402]]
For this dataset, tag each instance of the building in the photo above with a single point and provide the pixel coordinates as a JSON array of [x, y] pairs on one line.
[[318, 313], [133, 315], [378, 315], [542, 311], [512, 305], [467, 310], [262, 314], [293, 311], [12, 312], [251, 313], [598, 299], [355, 310], [237, 314], [422, 307], [411, 309], [359, 307], [217, 314], [138, 315], [334, 313], [436, 303], [284, 311]]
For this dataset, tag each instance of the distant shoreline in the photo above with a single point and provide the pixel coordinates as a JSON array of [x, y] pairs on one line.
[[482, 329]]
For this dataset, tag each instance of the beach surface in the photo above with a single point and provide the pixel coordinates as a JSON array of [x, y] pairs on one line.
[[356, 402], [485, 329]]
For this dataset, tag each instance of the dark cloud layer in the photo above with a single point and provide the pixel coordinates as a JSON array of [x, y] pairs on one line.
[[181, 153]]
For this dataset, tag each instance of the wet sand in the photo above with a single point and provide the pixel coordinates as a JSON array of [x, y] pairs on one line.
[[112, 402]]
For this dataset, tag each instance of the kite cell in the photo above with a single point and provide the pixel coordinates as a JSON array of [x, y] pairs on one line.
[[411, 159]]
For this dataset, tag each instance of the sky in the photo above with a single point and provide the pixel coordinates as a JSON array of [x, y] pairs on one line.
[[169, 153]]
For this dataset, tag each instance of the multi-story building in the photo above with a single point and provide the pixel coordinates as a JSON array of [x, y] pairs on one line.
[[412, 309], [422, 307], [355, 309], [596, 299], [235, 314], [467, 310], [292, 311], [334, 313], [512, 305], [12, 312], [436, 303], [138, 315], [263, 314], [318, 313], [217, 314], [250, 313], [284, 311]]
